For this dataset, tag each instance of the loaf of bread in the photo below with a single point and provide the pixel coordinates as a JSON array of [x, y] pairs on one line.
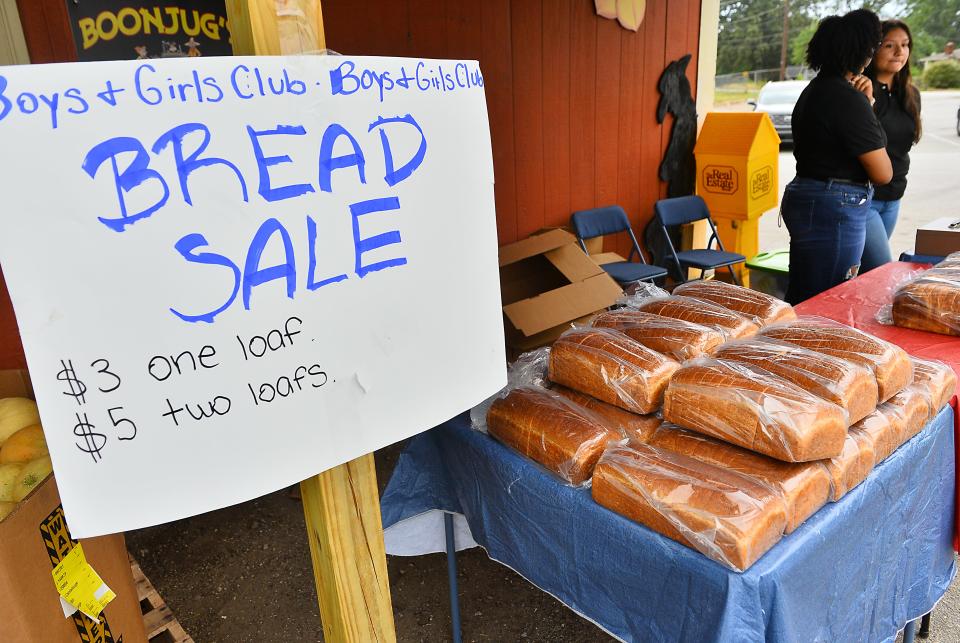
[[851, 467], [890, 364], [897, 420], [915, 409], [931, 302], [805, 487], [881, 432], [937, 377], [608, 365], [636, 428], [758, 306], [726, 516], [847, 384], [561, 436], [675, 338], [753, 409], [732, 325]]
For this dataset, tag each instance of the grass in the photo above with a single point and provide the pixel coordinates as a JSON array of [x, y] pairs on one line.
[[736, 92]]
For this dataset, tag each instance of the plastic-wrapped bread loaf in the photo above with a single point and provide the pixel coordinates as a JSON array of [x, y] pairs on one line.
[[898, 422], [851, 467], [726, 516], [637, 428], [914, 408], [931, 302], [890, 364], [560, 435], [753, 409], [732, 325], [939, 378], [847, 384], [883, 433], [608, 365], [760, 307], [675, 338], [805, 487]]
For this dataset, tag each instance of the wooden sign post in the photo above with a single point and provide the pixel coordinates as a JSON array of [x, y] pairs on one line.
[[341, 506]]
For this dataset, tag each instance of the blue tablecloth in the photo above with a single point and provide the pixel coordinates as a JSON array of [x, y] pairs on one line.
[[856, 571]]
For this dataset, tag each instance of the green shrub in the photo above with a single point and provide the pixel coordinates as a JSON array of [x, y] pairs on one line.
[[942, 75]]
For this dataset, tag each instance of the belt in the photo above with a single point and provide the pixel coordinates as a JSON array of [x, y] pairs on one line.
[[866, 185]]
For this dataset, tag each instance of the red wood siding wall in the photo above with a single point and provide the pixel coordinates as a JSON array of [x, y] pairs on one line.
[[572, 97], [46, 28]]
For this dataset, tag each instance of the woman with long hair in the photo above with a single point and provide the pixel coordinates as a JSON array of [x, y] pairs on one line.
[[897, 107], [841, 152]]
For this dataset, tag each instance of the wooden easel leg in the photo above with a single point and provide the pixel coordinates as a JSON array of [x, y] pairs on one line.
[[342, 511]]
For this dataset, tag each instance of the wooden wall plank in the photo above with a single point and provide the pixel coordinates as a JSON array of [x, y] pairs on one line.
[[526, 43], [654, 61], [496, 63], [464, 36], [556, 112], [583, 104], [607, 124], [630, 140], [46, 28], [427, 27]]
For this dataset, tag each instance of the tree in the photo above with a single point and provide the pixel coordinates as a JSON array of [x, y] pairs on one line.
[[751, 32], [933, 23]]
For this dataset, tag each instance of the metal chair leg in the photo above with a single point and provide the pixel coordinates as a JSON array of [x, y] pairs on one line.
[[452, 576], [909, 631], [733, 275], [924, 631]]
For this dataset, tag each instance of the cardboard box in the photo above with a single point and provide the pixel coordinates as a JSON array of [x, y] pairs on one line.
[[547, 282], [33, 539], [937, 238]]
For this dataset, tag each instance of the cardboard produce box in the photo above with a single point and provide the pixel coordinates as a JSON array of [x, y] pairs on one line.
[[937, 238], [33, 539], [547, 282]]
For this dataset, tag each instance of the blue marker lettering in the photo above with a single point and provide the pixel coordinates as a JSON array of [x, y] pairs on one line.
[[268, 192], [312, 269], [5, 104], [143, 92], [337, 77], [193, 162], [329, 163], [136, 173], [211, 82], [52, 103], [186, 247], [233, 81], [392, 176], [254, 275], [27, 103], [74, 93], [360, 246]]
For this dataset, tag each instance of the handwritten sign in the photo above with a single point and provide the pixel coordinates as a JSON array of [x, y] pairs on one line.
[[232, 274]]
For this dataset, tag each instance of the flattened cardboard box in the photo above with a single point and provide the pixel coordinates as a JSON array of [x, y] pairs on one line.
[[937, 238], [547, 282], [33, 539]]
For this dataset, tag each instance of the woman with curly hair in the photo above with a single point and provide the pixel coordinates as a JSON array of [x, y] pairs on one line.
[[897, 106], [840, 149]]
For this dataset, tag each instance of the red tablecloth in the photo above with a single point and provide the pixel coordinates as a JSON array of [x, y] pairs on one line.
[[857, 302]]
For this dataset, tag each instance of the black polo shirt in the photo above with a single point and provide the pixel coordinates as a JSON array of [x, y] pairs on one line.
[[833, 124], [899, 127]]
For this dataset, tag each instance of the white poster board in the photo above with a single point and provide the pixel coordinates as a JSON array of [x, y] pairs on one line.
[[231, 274]]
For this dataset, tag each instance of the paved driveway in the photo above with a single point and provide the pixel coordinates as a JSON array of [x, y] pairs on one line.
[[934, 180]]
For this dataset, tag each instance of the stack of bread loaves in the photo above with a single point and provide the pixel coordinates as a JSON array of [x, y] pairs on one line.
[[931, 301], [765, 417]]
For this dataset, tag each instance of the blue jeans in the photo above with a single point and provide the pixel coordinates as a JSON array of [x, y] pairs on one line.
[[880, 224], [827, 224]]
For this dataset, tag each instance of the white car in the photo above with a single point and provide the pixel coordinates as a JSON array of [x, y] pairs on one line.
[[778, 99]]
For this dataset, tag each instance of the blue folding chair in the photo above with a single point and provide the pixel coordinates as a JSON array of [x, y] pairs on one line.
[[688, 209], [610, 220]]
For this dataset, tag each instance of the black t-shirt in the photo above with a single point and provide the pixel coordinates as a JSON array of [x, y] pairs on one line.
[[833, 124], [899, 127]]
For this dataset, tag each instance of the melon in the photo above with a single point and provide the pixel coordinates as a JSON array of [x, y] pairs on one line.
[[8, 476], [25, 445], [32, 474], [16, 413]]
